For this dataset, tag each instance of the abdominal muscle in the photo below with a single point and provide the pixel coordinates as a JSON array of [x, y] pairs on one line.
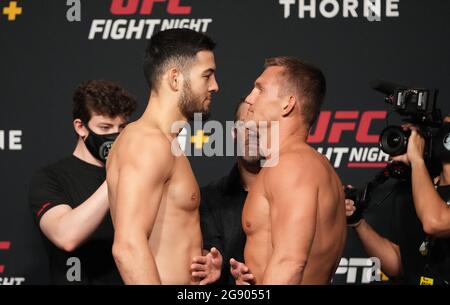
[[174, 242]]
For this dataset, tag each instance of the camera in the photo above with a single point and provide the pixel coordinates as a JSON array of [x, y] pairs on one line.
[[361, 197], [416, 106]]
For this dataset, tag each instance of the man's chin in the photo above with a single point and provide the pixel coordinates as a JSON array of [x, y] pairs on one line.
[[251, 160], [204, 115]]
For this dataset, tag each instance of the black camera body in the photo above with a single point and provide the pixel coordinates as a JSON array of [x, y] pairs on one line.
[[361, 197], [418, 103], [417, 106]]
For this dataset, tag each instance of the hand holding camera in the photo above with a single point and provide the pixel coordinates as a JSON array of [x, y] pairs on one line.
[[415, 146]]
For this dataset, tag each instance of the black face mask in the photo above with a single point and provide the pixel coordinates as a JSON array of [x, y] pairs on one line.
[[441, 144], [99, 145]]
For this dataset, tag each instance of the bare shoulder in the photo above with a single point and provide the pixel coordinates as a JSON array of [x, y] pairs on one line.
[[143, 146], [302, 162]]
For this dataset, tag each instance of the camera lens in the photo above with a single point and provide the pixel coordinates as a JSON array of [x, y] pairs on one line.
[[393, 140]]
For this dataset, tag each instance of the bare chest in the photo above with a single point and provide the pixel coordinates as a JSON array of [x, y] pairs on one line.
[[182, 190], [256, 212]]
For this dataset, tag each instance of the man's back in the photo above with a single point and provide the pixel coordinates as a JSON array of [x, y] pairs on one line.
[[296, 206], [174, 236]]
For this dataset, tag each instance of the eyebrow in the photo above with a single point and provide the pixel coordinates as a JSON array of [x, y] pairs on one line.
[[258, 85], [210, 70]]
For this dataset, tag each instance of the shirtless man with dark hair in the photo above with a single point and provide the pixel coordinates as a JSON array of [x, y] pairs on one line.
[[153, 192]]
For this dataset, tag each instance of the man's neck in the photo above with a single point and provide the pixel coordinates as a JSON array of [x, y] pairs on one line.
[[290, 129], [82, 153], [248, 172], [162, 112]]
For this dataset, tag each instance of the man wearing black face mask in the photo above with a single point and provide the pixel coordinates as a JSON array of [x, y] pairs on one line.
[[69, 198], [420, 251], [99, 145]]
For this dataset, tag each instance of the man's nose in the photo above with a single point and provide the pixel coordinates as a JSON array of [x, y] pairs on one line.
[[214, 86], [249, 99]]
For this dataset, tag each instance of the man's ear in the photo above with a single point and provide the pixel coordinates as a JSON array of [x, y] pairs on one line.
[[289, 103], [175, 79], [80, 129]]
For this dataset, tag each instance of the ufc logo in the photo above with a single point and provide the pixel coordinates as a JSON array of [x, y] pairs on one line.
[[370, 269], [145, 7], [346, 121], [4, 245]]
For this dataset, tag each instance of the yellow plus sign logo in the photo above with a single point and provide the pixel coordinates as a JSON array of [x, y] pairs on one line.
[[12, 11], [199, 139]]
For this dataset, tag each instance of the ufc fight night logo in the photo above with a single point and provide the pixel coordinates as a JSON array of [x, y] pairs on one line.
[[145, 7], [143, 28], [334, 128]]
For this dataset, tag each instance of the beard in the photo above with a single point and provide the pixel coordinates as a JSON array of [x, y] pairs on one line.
[[191, 103], [251, 160]]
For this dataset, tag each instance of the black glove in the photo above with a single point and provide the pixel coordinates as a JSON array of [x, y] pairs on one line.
[[360, 205]]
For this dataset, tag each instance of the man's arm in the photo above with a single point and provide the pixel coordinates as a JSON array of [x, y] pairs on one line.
[[433, 212], [376, 245], [293, 200], [67, 228], [138, 196], [380, 247]]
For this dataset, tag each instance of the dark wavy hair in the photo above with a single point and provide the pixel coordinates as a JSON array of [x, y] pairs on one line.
[[177, 47], [102, 97]]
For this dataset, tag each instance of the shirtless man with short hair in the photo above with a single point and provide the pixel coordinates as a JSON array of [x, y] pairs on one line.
[[294, 215], [153, 192]]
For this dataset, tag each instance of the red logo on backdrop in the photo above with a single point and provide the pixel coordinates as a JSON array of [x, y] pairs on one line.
[[4, 245], [346, 121], [333, 127], [148, 19], [145, 7]]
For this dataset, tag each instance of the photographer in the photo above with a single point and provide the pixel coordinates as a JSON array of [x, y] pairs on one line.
[[420, 253]]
